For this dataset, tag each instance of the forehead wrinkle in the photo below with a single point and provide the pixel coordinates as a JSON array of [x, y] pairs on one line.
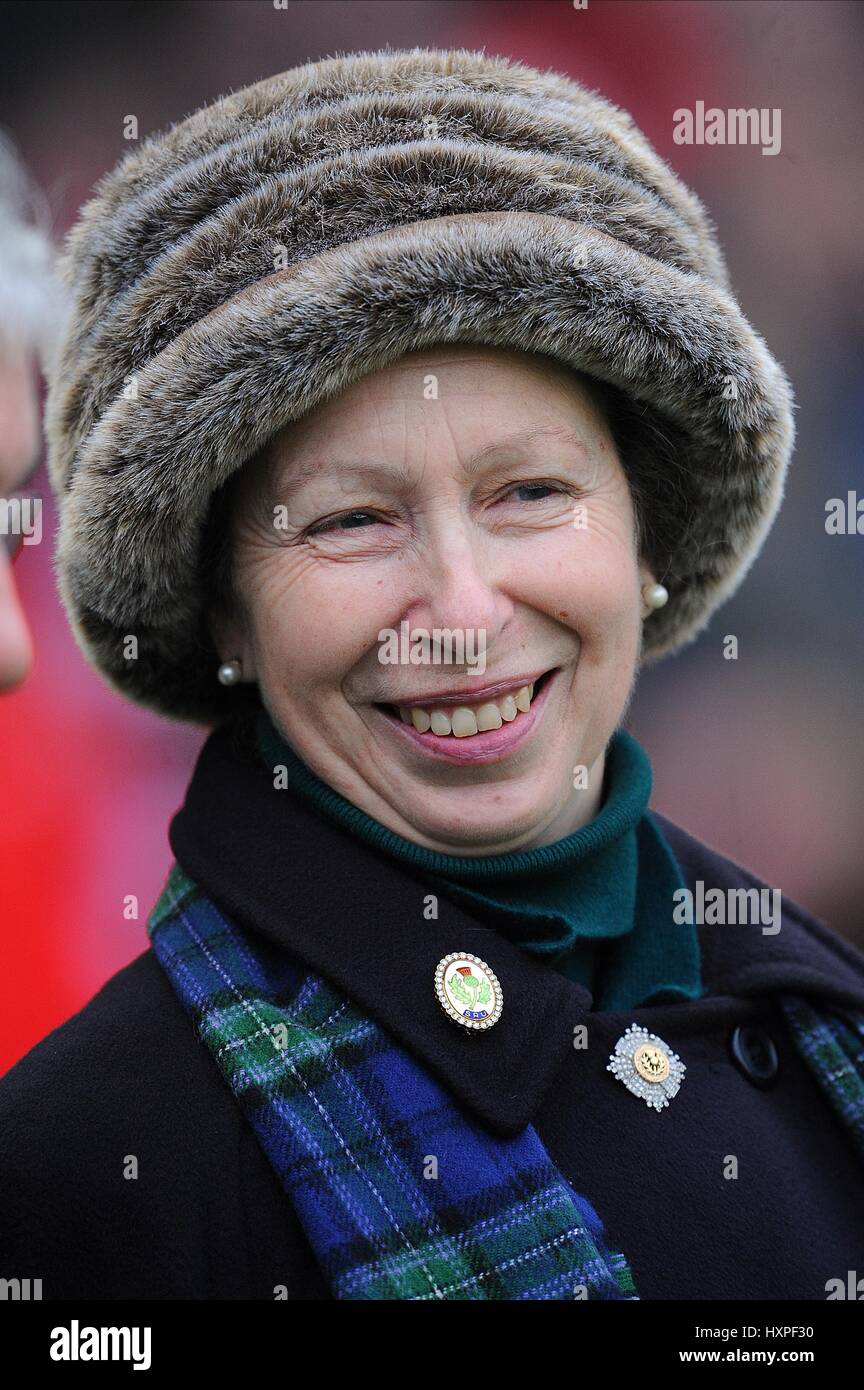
[[400, 475]]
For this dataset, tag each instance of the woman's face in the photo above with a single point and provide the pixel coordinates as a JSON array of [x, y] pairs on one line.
[[463, 490]]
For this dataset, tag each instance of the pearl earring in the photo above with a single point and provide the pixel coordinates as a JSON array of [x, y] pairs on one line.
[[654, 596], [229, 672]]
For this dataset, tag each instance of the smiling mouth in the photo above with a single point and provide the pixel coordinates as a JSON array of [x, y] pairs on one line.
[[472, 717]]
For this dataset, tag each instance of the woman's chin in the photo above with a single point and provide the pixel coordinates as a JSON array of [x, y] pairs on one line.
[[494, 821]]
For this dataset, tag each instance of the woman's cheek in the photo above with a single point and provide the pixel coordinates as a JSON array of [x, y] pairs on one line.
[[588, 581], [317, 619]]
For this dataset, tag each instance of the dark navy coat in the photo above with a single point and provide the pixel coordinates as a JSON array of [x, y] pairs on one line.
[[206, 1217]]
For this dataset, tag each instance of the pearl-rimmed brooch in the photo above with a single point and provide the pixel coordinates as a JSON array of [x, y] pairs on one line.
[[468, 990], [647, 1066]]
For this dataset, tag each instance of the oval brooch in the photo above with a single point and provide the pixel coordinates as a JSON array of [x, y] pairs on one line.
[[468, 990], [647, 1066]]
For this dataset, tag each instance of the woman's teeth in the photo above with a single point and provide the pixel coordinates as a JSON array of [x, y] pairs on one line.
[[465, 720]]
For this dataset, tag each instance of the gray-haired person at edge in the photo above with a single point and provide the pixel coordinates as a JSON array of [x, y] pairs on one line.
[[403, 411]]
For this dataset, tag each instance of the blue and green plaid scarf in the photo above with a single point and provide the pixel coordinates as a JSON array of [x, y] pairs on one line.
[[401, 1195]]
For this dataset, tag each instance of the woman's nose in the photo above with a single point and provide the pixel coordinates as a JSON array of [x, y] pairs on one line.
[[459, 587]]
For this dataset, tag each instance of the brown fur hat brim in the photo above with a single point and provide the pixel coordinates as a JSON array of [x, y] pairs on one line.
[[584, 247]]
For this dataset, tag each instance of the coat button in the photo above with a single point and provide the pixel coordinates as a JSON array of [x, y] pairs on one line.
[[754, 1054]]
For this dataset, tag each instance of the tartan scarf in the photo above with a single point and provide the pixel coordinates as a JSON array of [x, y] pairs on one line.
[[401, 1194]]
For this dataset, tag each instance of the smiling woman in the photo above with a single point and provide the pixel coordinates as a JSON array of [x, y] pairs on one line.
[[471, 529], [447, 1011]]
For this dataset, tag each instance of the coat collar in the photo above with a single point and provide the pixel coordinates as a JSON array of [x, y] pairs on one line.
[[356, 917]]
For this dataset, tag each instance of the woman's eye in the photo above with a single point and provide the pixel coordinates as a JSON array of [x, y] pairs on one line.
[[348, 521], [361, 518], [533, 492]]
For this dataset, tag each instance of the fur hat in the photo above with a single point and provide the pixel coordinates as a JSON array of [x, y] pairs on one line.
[[261, 255]]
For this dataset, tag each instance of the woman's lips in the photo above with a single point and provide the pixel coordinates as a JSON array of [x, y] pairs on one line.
[[474, 695], [488, 747]]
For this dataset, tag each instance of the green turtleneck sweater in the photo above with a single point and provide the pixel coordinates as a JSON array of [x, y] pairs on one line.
[[596, 904]]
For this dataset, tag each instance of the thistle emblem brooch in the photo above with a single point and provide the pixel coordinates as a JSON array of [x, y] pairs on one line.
[[468, 991]]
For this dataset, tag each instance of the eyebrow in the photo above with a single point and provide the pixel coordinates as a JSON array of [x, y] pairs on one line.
[[521, 438], [398, 473]]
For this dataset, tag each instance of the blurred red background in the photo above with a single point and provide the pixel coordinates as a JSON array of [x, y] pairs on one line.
[[763, 757]]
